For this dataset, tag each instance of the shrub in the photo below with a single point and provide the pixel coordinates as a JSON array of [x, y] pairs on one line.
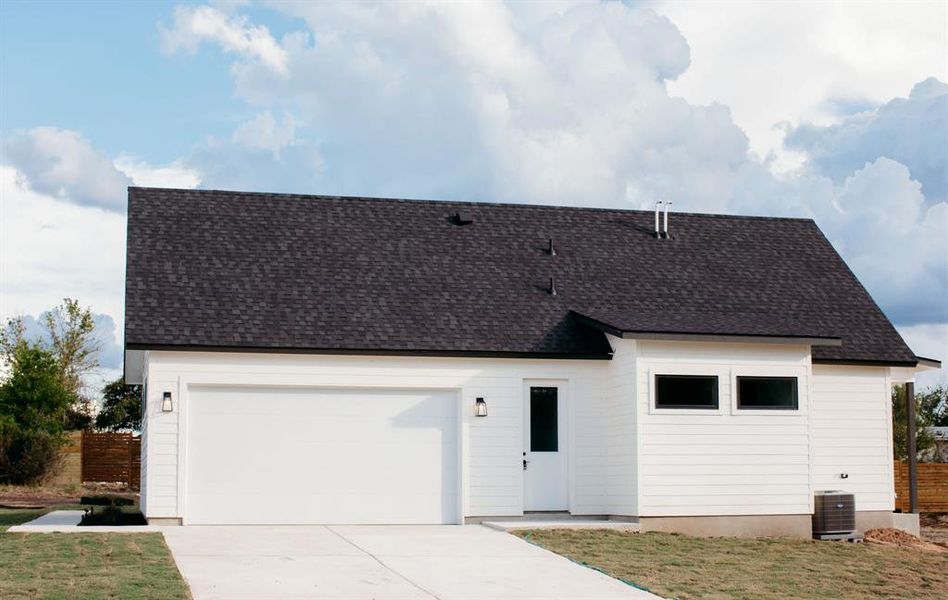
[[27, 456], [33, 405]]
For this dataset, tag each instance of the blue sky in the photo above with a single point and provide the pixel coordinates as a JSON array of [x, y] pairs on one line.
[[834, 111]]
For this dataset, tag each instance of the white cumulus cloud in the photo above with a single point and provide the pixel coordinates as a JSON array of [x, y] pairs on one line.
[[63, 164], [264, 132], [193, 25], [913, 131], [174, 175]]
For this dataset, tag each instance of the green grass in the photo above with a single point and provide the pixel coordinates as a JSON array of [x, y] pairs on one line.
[[79, 566], [677, 566]]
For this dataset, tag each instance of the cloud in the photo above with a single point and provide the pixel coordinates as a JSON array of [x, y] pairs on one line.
[[895, 242], [910, 130], [175, 175], [264, 132], [51, 249], [63, 164], [233, 33], [794, 62]]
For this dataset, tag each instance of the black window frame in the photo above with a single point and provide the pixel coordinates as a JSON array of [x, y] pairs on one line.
[[716, 396], [796, 392]]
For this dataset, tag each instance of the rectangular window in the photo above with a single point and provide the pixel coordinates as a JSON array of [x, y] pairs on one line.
[[544, 421], [686, 391], [767, 393]]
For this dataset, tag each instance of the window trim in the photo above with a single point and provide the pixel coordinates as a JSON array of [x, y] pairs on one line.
[[700, 408], [796, 394]]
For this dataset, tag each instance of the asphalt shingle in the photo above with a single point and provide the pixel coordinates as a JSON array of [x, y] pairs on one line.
[[211, 269]]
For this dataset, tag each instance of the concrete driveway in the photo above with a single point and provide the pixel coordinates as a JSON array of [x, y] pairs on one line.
[[382, 563]]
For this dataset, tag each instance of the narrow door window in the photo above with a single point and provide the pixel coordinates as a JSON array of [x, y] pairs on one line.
[[544, 422]]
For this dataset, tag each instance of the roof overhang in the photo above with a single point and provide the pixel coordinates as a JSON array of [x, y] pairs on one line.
[[927, 364], [706, 337], [362, 352]]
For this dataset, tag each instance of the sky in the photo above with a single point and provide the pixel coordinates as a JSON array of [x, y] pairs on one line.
[[836, 111]]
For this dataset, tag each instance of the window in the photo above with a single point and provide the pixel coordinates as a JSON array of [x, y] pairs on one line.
[[767, 393], [544, 422], [686, 391]]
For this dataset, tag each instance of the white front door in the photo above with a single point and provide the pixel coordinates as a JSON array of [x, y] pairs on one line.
[[545, 485]]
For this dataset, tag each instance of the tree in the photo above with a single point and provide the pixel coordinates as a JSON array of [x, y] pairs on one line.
[[33, 405], [70, 338], [926, 406], [937, 398], [121, 407]]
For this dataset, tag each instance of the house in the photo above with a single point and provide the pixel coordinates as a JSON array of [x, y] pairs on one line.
[[315, 359]]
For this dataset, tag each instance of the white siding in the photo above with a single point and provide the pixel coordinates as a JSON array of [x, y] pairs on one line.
[[724, 462], [492, 475], [620, 432], [851, 428], [625, 457]]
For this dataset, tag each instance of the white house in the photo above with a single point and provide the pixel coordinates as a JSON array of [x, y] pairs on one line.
[[312, 359]]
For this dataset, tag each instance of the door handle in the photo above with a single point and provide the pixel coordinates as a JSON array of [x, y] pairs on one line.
[[525, 461]]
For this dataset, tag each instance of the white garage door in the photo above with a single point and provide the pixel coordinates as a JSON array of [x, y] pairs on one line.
[[307, 456]]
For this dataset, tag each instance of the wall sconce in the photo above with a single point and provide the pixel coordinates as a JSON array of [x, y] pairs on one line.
[[480, 408], [166, 402]]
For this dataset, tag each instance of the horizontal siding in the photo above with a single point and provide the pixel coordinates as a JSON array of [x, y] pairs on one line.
[[852, 434], [620, 432], [724, 462], [493, 474]]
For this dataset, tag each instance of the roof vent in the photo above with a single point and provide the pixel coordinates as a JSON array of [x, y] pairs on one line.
[[665, 228], [661, 232], [457, 219], [552, 287], [552, 249]]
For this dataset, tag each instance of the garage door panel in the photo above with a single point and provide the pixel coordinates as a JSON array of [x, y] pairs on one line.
[[260, 455]]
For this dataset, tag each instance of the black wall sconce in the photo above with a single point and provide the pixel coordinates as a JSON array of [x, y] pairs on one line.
[[480, 408], [166, 402]]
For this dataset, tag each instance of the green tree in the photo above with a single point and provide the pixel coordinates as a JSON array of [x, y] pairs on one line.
[[926, 409], [70, 333], [33, 405], [121, 407]]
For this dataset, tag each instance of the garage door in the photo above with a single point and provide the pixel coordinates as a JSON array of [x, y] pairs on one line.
[[306, 456]]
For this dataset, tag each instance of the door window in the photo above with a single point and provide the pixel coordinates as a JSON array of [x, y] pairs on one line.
[[544, 421]]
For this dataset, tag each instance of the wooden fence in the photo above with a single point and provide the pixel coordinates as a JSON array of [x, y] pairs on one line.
[[932, 487], [112, 457], [69, 469]]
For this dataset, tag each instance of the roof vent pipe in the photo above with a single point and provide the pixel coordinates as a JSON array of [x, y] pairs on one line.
[[658, 208], [667, 204], [552, 249], [552, 287]]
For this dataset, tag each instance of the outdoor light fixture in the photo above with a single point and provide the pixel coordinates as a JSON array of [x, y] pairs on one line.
[[480, 408], [166, 402]]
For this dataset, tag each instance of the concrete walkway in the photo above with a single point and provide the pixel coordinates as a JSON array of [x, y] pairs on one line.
[[382, 563], [67, 521]]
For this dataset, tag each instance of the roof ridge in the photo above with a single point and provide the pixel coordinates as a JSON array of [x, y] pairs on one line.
[[471, 203]]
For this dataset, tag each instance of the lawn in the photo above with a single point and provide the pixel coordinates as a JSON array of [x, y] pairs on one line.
[[82, 566], [677, 566]]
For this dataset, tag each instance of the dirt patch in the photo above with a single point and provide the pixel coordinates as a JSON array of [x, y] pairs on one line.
[[934, 520], [897, 537], [43, 496]]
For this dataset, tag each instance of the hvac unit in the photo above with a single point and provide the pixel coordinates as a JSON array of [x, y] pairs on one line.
[[834, 515]]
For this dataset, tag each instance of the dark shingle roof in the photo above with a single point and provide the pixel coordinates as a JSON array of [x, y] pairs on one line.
[[314, 273]]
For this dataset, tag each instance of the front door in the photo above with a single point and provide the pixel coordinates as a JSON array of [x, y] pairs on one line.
[[544, 452]]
